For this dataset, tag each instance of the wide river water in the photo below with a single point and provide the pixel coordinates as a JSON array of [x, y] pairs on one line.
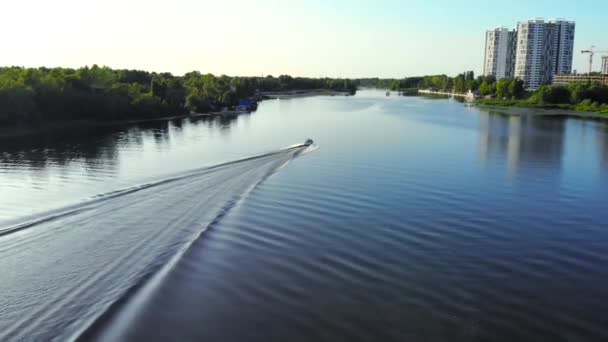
[[410, 219]]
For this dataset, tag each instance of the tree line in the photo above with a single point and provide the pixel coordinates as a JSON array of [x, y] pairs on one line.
[[583, 96], [586, 96], [30, 95]]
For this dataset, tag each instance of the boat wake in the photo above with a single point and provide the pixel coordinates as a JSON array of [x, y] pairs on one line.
[[67, 269]]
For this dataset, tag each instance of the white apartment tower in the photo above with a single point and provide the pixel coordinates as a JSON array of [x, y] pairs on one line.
[[544, 48], [499, 60], [605, 65], [563, 42]]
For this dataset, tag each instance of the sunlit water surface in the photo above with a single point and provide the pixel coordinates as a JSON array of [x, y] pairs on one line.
[[412, 219]]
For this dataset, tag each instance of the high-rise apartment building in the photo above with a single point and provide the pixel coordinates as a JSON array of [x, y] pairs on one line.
[[543, 49], [499, 58], [605, 65], [563, 42]]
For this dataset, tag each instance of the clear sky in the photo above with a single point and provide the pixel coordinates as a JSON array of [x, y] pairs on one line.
[[334, 38]]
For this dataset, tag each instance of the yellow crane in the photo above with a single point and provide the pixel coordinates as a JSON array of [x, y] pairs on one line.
[[592, 52]]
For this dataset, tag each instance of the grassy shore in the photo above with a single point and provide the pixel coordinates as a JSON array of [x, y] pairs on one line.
[[536, 110], [581, 107]]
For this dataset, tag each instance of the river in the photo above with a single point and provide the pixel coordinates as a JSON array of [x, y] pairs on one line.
[[410, 218]]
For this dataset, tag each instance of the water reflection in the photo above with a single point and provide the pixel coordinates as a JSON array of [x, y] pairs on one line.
[[49, 170], [521, 140], [97, 148], [602, 143], [435, 96], [90, 147], [224, 122]]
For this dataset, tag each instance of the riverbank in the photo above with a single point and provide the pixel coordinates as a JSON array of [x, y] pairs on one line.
[[301, 93], [48, 127], [580, 110], [522, 107], [431, 92], [51, 126], [539, 111]]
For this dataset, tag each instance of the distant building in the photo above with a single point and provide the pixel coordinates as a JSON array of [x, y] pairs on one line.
[[544, 48], [564, 79], [563, 44], [246, 105], [605, 65], [499, 60], [472, 95]]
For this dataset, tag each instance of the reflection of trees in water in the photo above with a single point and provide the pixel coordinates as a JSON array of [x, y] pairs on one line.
[[521, 139], [96, 148], [221, 122], [225, 121], [435, 96], [157, 130], [178, 124]]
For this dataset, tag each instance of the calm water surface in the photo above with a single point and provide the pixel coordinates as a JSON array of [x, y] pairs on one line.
[[412, 219]]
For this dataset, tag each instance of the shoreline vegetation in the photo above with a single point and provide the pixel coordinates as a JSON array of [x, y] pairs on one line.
[[542, 111], [579, 98], [42, 99], [304, 93], [445, 93], [53, 126], [37, 100]]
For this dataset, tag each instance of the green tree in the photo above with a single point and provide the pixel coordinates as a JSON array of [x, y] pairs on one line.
[[547, 94], [459, 83], [502, 89], [487, 88], [516, 88], [16, 101], [96, 78], [158, 87]]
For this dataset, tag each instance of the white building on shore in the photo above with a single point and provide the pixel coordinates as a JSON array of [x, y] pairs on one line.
[[543, 49], [605, 65], [499, 60], [563, 44]]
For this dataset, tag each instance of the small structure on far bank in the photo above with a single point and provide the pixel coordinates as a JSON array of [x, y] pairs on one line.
[[564, 79], [472, 95], [246, 106]]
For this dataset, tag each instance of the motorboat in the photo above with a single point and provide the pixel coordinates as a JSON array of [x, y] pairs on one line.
[[308, 142]]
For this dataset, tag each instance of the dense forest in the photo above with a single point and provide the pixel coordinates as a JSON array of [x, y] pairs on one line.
[[586, 96], [435, 82], [32, 95]]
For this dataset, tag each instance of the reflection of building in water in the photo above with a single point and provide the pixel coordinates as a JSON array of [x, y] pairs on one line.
[[521, 140], [602, 146], [513, 145]]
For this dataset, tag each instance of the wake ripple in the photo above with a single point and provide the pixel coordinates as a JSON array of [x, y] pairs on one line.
[[66, 269]]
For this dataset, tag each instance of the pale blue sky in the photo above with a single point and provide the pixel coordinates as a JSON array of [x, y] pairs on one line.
[[336, 38]]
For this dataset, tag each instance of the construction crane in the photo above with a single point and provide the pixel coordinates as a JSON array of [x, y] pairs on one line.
[[592, 52]]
